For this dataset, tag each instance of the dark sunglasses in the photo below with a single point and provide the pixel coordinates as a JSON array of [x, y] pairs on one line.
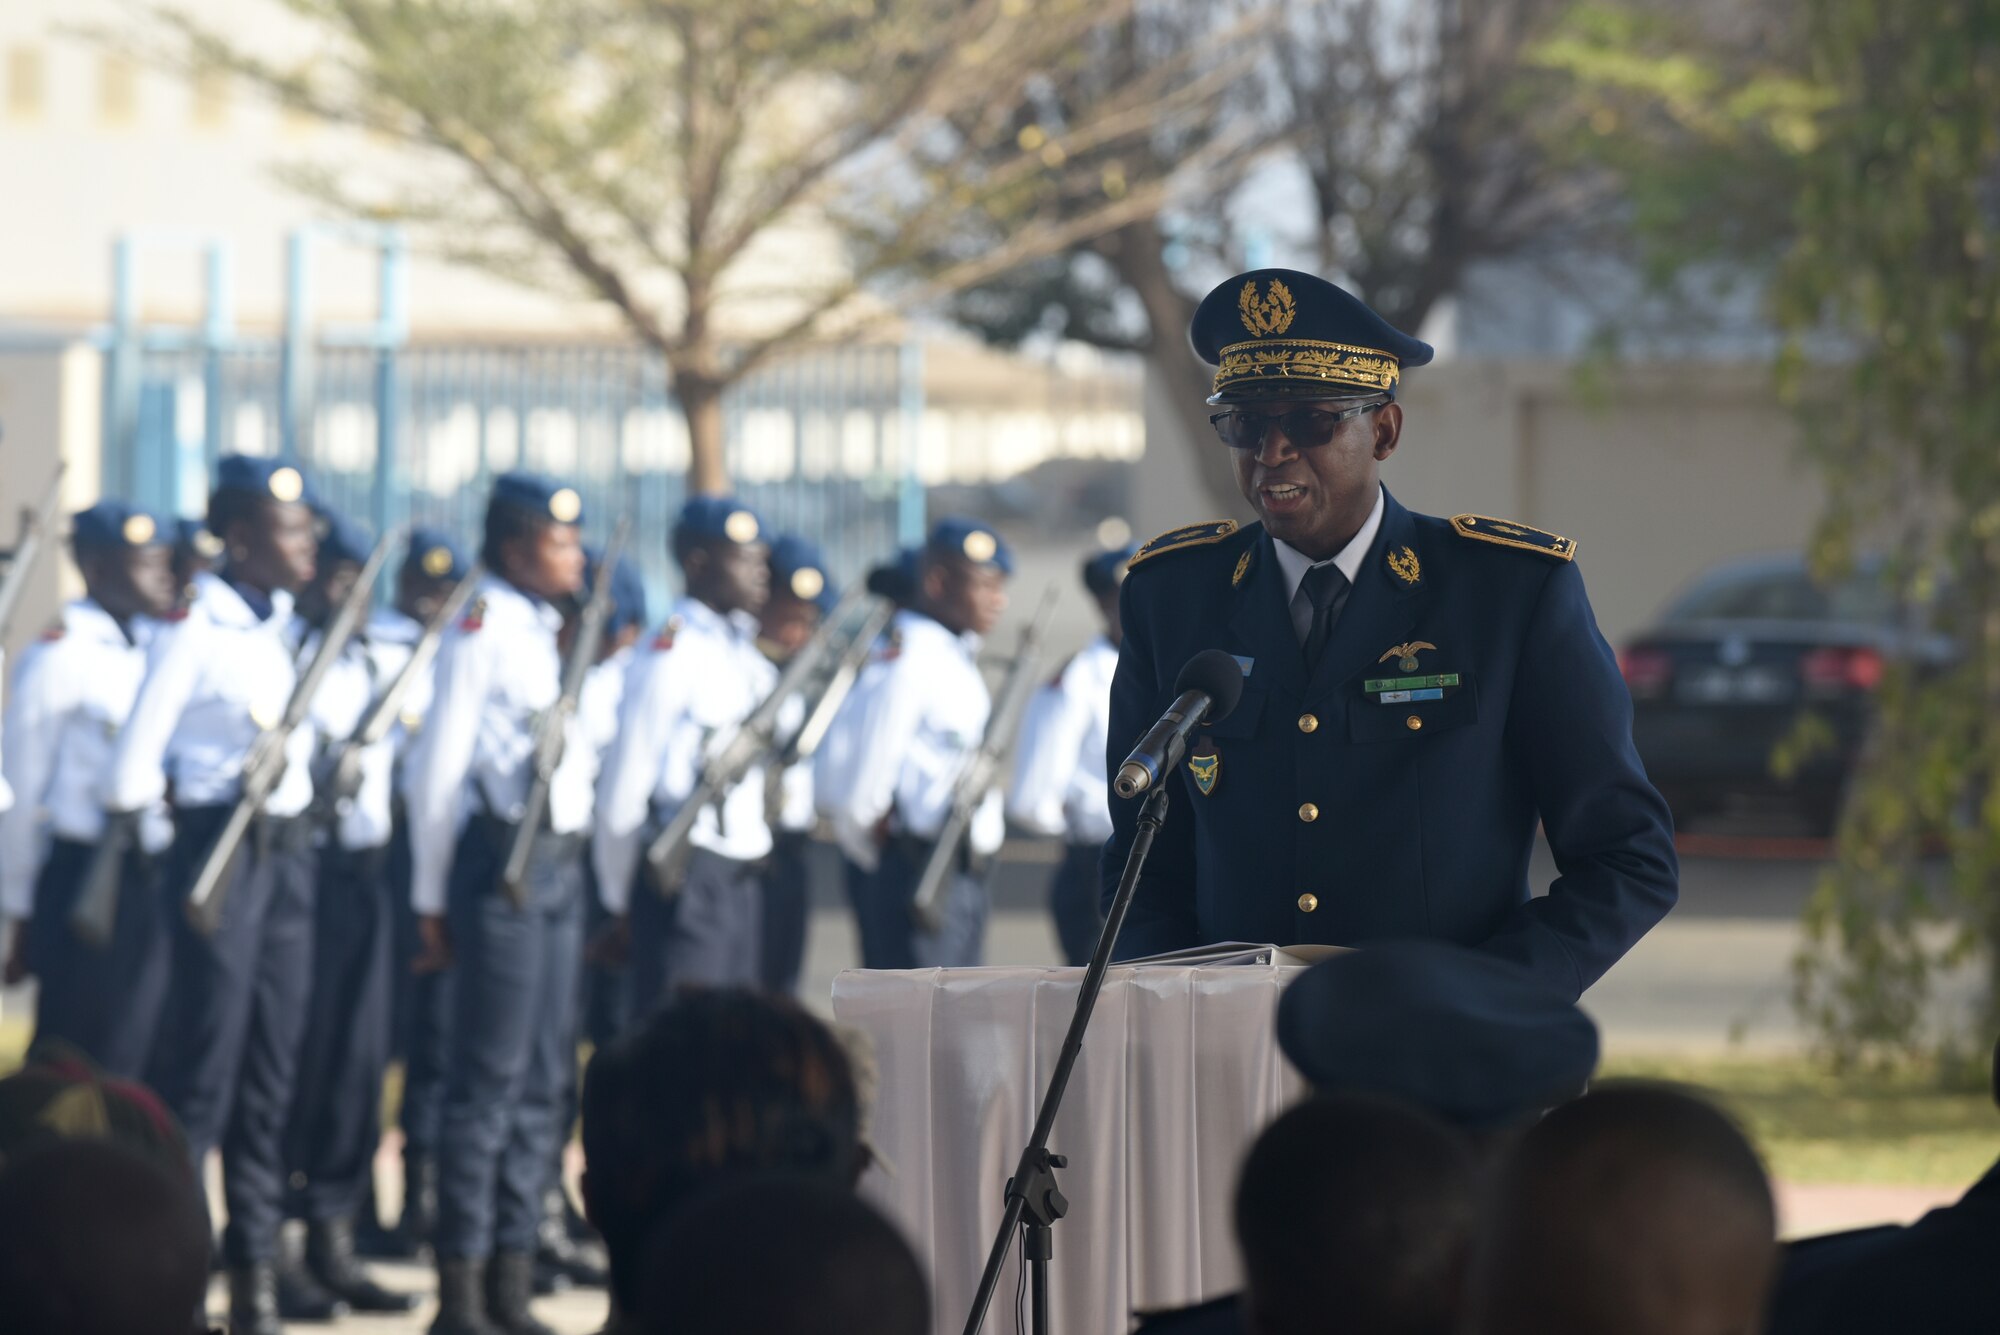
[[1306, 428]]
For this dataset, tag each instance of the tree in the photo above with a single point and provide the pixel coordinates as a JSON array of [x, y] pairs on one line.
[[1859, 149], [732, 178], [1407, 142]]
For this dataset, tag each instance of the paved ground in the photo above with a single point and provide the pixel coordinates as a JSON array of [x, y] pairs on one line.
[[1714, 977]]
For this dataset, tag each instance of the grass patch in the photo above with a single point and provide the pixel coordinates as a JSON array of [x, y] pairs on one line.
[[1907, 1128]]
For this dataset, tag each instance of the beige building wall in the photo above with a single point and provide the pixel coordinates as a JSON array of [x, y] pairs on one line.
[[50, 402], [1656, 479]]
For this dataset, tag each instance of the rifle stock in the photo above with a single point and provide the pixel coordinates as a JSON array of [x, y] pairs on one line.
[[753, 740], [550, 731], [35, 526], [264, 766], [983, 769], [94, 915]]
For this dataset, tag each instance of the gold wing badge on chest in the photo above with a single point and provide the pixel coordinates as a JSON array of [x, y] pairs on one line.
[[1205, 764], [1405, 654]]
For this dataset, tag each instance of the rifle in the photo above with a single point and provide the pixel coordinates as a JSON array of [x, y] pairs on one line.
[[265, 763], [982, 771], [549, 732], [343, 767], [733, 756], [35, 525], [806, 741]]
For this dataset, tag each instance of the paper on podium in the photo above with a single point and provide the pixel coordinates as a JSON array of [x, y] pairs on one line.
[[1180, 1070]]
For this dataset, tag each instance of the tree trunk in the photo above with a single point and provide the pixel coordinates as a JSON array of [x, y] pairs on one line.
[[1137, 252], [701, 403]]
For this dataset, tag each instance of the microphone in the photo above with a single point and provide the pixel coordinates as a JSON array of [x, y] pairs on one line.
[[1205, 692]]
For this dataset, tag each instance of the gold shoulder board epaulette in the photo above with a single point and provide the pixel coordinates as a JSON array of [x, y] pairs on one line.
[[1507, 533], [1191, 535]]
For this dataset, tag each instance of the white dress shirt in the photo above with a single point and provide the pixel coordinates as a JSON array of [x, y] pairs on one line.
[[1294, 563], [496, 673], [920, 714], [690, 689], [72, 693], [1059, 785], [215, 679], [344, 697]]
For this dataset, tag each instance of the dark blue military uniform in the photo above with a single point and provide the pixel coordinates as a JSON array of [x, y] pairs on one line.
[[1400, 737], [1353, 805]]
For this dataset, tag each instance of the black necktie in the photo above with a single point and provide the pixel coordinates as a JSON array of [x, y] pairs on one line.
[[1327, 588]]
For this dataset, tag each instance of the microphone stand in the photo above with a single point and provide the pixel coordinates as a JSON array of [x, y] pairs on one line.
[[1034, 1201]]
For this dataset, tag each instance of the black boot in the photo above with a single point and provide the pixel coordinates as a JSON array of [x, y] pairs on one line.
[[301, 1299], [253, 1300], [510, 1282], [561, 1261], [330, 1258], [462, 1300]]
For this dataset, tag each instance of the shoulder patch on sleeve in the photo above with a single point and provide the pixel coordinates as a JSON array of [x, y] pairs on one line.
[[1507, 533], [54, 632], [665, 639], [1190, 535], [475, 616]]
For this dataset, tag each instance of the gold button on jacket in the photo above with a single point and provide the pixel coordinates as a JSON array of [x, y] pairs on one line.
[[1413, 723], [1308, 813], [1308, 723], [1308, 902]]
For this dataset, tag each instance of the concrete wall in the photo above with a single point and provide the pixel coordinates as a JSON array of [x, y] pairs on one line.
[[1658, 472], [50, 402]]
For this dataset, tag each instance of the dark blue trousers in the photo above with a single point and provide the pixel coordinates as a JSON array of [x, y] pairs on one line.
[[890, 935], [423, 1023], [787, 907], [336, 1120], [606, 1000], [103, 1002], [706, 935], [513, 1042], [228, 1046], [1073, 901]]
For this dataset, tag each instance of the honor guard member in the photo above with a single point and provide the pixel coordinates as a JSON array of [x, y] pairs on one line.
[[71, 696], [1059, 787], [430, 570], [336, 1105], [216, 678], [802, 595], [920, 715], [196, 550], [514, 969], [693, 686], [1420, 692]]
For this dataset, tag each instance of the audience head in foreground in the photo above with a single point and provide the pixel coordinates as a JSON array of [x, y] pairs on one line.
[[718, 1085], [1355, 1214], [96, 1238], [1636, 1210], [781, 1256], [1463, 1034]]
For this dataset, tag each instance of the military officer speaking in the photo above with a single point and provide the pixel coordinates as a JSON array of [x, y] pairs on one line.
[[1420, 692]]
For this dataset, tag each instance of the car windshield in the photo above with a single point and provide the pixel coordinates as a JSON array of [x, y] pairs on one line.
[[1786, 595]]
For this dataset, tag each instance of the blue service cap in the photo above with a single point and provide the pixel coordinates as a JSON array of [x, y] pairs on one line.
[[1104, 572], [1472, 1037], [269, 479], [897, 578], [1282, 334], [628, 589], [799, 568], [342, 539], [718, 518], [117, 526], [194, 535], [539, 495], [971, 540], [434, 554]]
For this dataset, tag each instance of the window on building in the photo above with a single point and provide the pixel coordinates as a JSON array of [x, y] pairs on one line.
[[117, 90], [211, 99], [27, 83]]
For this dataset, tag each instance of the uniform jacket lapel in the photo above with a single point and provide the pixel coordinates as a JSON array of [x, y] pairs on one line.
[[1261, 621], [1383, 606]]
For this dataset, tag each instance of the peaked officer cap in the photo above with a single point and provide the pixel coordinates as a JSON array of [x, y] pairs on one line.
[[268, 479], [433, 552], [1282, 334], [972, 540], [1104, 572], [116, 526], [799, 568], [342, 539], [718, 519], [538, 495]]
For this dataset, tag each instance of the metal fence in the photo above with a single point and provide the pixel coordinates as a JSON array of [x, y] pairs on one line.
[[822, 442]]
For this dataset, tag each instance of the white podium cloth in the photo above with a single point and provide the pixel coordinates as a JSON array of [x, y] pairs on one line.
[[1179, 1071]]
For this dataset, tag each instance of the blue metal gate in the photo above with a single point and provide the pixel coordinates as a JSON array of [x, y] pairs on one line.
[[822, 442]]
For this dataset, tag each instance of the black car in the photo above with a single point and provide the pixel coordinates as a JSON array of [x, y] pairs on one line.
[[1734, 663]]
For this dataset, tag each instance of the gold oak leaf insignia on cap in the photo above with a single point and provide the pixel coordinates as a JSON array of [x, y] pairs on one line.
[[1270, 315], [1188, 535], [1506, 533]]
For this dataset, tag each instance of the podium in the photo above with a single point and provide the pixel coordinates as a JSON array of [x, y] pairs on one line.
[[1179, 1072]]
